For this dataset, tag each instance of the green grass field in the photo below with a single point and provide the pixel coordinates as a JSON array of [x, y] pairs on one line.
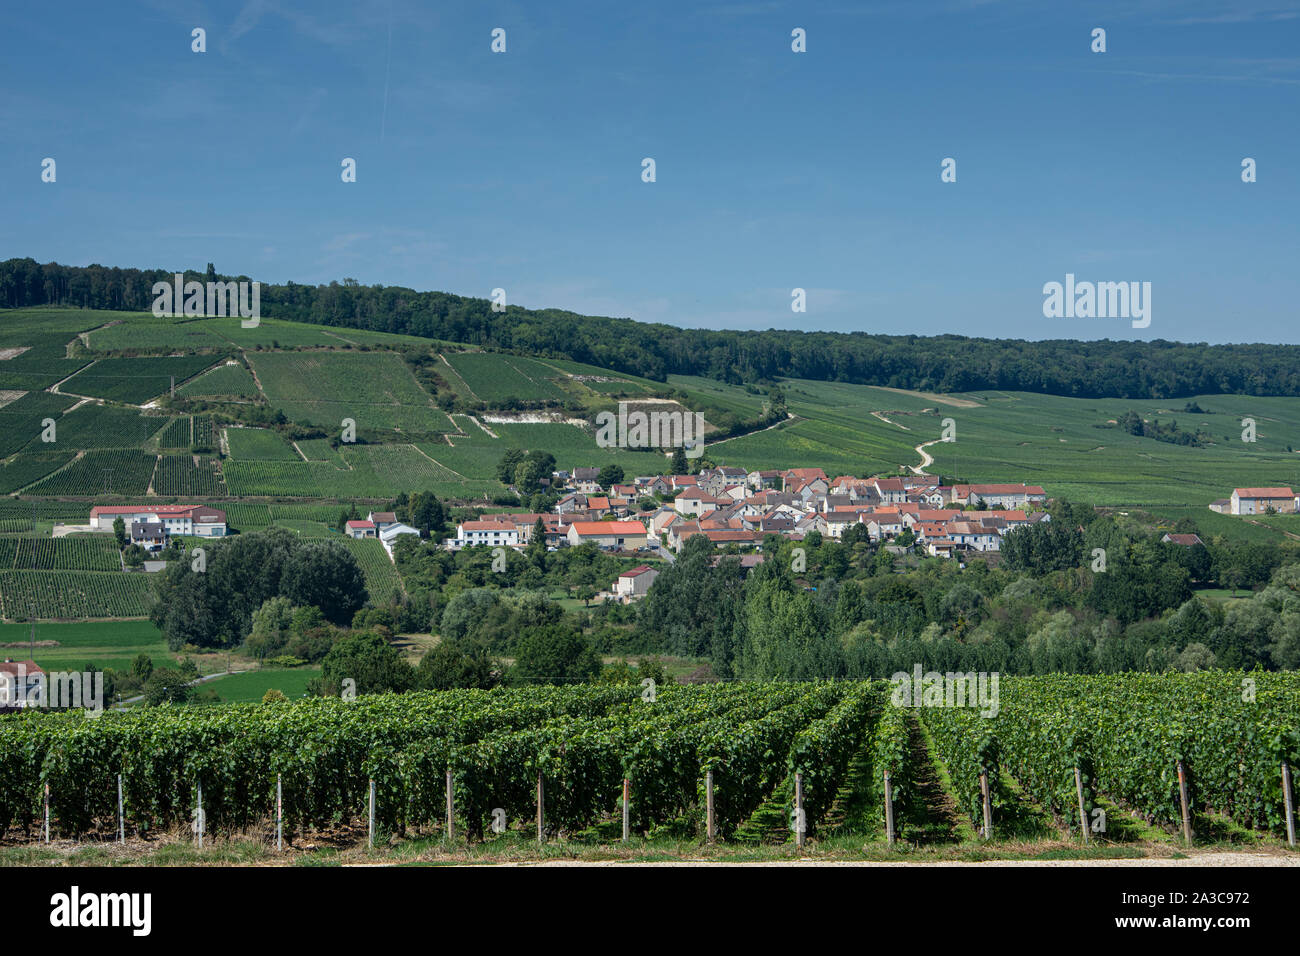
[[102, 643], [252, 685]]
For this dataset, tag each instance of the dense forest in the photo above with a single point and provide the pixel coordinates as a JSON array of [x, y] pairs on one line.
[[947, 363]]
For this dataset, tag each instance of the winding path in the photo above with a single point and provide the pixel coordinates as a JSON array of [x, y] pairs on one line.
[[926, 458]]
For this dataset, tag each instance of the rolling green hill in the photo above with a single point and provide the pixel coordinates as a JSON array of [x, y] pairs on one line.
[[260, 437]]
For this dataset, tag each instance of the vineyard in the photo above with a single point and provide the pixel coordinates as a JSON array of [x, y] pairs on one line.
[[224, 381], [28, 468], [103, 426], [494, 377], [88, 553], [20, 420], [189, 431], [135, 380], [700, 760], [73, 594], [258, 444], [374, 389], [373, 471], [187, 476], [118, 472], [383, 582]]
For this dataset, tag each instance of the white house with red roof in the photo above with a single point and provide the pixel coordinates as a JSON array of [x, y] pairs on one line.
[[635, 583], [999, 495], [201, 521], [360, 528]]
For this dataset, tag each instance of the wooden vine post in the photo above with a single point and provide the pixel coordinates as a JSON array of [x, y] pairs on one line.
[[889, 808], [1182, 799], [1083, 814], [988, 804], [370, 840], [627, 789], [451, 808], [541, 798], [709, 829], [800, 824], [1289, 802]]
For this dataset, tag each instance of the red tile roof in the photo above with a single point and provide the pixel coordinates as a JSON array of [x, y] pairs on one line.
[[601, 528]]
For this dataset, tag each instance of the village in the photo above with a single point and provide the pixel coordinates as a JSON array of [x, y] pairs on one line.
[[736, 510]]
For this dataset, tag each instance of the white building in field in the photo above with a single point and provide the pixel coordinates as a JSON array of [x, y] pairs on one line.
[[389, 534], [470, 534], [635, 583], [200, 521]]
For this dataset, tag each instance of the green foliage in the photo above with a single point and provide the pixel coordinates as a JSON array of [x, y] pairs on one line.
[[553, 654], [446, 667], [370, 661]]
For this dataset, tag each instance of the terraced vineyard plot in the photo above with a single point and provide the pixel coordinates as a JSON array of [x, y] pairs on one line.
[[326, 513], [44, 334], [247, 517], [307, 529], [29, 467], [16, 516], [80, 553], [176, 434], [224, 381], [373, 471], [375, 389], [101, 472], [496, 377], [74, 594], [278, 333], [180, 475], [475, 462], [259, 444], [135, 380], [205, 432], [20, 420], [104, 426], [145, 332], [382, 580], [319, 449], [573, 447], [286, 479]]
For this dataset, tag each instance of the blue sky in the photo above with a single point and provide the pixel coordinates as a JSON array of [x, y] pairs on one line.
[[775, 170]]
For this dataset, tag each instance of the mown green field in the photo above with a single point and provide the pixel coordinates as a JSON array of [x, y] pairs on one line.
[[102, 643], [252, 685]]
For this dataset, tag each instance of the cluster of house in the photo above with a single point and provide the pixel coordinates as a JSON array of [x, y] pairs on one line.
[[152, 526], [733, 506], [1258, 501], [382, 525]]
